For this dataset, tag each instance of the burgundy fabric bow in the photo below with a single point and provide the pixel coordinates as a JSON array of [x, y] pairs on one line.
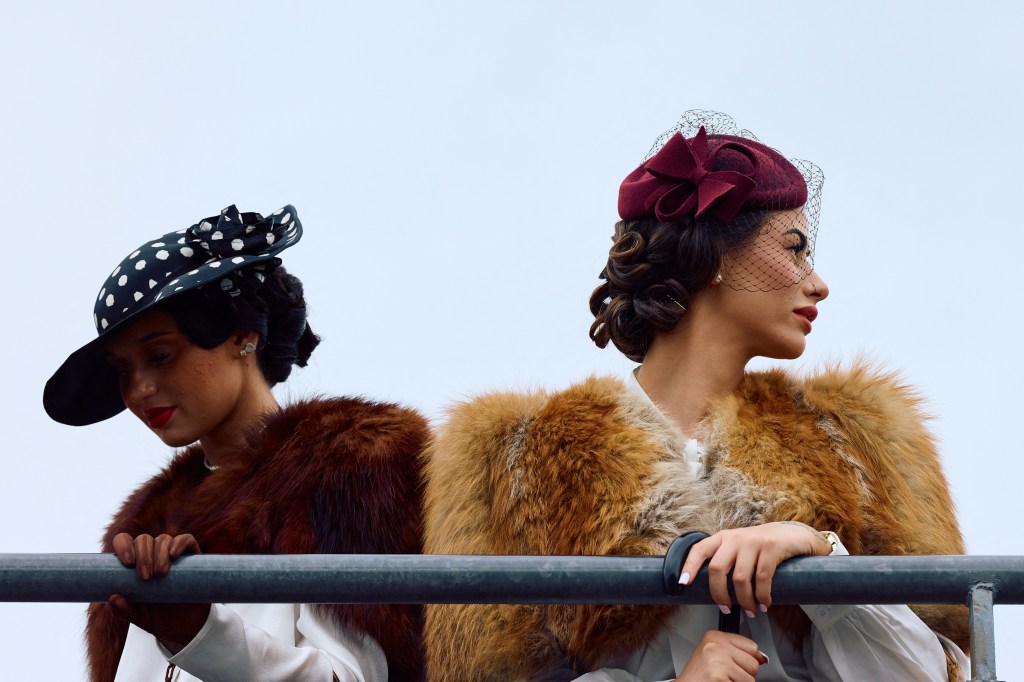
[[679, 181]]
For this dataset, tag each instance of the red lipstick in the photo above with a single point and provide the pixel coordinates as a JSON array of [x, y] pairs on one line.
[[158, 416], [809, 314]]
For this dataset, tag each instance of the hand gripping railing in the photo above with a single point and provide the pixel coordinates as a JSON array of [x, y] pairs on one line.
[[979, 581]]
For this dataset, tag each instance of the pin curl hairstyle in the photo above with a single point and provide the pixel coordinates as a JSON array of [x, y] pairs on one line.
[[654, 268]]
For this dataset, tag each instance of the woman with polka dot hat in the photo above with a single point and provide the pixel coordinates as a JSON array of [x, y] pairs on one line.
[[194, 329]]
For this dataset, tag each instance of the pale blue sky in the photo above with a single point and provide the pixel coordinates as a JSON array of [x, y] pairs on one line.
[[455, 166]]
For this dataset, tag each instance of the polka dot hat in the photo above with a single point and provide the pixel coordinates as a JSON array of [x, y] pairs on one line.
[[218, 251]]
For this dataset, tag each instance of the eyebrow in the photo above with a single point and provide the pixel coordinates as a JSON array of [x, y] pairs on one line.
[[150, 337], [145, 339]]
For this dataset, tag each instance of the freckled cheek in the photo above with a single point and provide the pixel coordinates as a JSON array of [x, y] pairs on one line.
[[208, 380]]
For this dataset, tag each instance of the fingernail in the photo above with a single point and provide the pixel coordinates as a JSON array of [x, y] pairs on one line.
[[764, 609], [750, 614], [766, 659], [684, 579], [725, 609]]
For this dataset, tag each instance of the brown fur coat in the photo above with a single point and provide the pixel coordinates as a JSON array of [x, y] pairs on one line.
[[596, 469], [333, 476]]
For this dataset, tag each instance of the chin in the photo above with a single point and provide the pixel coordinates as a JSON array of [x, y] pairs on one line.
[[175, 440], [787, 350]]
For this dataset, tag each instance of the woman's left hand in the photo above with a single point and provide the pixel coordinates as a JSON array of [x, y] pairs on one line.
[[752, 554], [175, 625]]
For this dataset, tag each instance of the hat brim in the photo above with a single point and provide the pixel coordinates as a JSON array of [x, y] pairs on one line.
[[85, 390]]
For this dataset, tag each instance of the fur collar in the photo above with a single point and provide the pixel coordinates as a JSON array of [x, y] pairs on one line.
[[311, 468], [596, 469]]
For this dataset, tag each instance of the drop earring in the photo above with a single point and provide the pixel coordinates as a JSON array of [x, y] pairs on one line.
[[249, 347]]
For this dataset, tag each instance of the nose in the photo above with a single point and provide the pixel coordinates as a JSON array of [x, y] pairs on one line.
[[137, 387], [816, 287]]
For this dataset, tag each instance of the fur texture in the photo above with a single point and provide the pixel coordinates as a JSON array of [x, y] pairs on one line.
[[595, 469], [334, 476]]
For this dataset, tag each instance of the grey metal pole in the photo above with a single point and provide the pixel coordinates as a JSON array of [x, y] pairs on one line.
[[983, 638], [493, 579]]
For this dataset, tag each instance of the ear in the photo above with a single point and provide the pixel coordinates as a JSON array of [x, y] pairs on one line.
[[241, 337]]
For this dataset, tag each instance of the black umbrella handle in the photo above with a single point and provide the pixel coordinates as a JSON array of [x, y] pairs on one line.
[[675, 557], [730, 622]]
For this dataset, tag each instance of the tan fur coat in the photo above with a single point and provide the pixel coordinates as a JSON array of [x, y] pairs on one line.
[[333, 476], [596, 469]]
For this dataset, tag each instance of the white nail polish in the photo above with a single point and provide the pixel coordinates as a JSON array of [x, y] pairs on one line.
[[763, 608], [725, 609], [750, 614], [684, 579]]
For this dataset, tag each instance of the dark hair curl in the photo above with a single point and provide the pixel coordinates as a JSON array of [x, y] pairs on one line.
[[275, 309], [653, 269]]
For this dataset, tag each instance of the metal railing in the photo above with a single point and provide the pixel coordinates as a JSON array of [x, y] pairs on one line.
[[979, 581]]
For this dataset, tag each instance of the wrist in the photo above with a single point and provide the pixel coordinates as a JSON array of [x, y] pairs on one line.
[[182, 626], [825, 540]]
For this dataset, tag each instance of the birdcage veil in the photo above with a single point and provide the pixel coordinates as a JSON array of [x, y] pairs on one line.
[[706, 168]]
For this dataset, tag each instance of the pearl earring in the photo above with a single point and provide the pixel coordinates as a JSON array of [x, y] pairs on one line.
[[249, 347], [718, 278]]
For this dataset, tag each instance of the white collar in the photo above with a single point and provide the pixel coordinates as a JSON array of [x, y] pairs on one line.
[[694, 449]]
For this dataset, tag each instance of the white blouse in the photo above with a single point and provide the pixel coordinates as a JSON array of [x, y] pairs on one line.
[[847, 643], [257, 643]]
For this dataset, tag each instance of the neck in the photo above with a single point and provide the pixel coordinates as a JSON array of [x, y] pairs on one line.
[[688, 368], [224, 445]]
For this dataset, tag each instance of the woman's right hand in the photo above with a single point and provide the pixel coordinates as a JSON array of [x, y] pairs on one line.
[[723, 657], [151, 557], [175, 625]]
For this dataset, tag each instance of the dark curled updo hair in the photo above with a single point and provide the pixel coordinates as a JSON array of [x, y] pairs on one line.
[[651, 266], [275, 309]]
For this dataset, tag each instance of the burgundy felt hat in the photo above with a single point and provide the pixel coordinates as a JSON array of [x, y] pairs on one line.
[[723, 174]]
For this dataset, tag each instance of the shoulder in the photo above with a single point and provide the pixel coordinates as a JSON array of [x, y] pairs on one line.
[[346, 458], [502, 423], [866, 406], [868, 395], [500, 409], [328, 431], [862, 394]]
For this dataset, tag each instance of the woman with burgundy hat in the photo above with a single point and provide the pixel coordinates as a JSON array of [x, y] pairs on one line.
[[711, 265], [195, 327]]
